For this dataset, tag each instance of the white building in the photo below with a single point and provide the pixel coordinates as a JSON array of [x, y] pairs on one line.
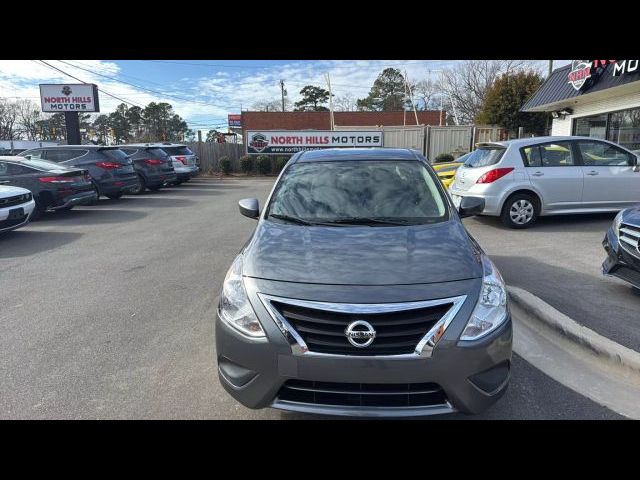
[[594, 98]]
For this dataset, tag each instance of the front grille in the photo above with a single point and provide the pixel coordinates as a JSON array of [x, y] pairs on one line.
[[12, 223], [362, 394], [397, 332], [16, 200], [630, 237]]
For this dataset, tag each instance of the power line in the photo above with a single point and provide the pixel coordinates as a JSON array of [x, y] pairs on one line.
[[138, 86]]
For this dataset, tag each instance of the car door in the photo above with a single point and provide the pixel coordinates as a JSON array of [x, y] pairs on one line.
[[554, 171], [610, 180]]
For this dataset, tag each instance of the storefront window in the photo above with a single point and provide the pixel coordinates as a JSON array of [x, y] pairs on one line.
[[595, 126], [624, 128], [621, 127]]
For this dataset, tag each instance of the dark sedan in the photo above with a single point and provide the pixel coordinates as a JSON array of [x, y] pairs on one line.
[[54, 187], [622, 244], [111, 169], [153, 167]]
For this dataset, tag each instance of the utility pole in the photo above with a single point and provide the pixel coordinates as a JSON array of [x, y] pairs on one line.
[[408, 89], [331, 122], [284, 93], [550, 68]]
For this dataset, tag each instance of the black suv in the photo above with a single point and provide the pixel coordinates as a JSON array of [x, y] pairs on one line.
[[153, 167], [111, 170]]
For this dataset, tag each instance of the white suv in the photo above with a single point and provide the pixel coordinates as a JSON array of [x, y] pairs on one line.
[[16, 206], [522, 179]]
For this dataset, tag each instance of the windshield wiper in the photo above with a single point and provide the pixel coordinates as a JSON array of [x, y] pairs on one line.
[[370, 220], [288, 218]]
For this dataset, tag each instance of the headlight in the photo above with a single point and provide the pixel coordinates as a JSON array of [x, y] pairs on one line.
[[234, 307], [491, 309], [616, 224]]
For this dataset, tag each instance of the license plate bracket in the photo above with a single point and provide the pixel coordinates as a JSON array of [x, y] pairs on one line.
[[16, 213]]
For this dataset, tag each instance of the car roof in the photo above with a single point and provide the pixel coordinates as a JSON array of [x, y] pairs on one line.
[[75, 147], [519, 142], [153, 145], [350, 154]]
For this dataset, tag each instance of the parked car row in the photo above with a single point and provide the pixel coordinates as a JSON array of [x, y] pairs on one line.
[[62, 176]]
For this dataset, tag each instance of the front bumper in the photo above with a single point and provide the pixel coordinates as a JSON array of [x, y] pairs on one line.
[[253, 371], [7, 225], [620, 262], [79, 198]]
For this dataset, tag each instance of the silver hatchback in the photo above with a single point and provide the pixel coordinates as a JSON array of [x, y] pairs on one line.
[[525, 178]]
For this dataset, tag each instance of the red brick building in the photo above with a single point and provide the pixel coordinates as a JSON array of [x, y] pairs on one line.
[[321, 121]]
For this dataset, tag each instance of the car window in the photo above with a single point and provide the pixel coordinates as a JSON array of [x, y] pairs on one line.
[[334, 191], [8, 168], [531, 156], [600, 154], [556, 154], [35, 154], [177, 150], [116, 154], [157, 152], [62, 155], [483, 157], [129, 151]]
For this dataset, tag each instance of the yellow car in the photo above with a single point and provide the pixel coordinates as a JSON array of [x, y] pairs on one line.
[[447, 171]]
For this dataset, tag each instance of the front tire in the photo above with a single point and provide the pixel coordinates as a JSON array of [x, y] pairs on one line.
[[520, 211]]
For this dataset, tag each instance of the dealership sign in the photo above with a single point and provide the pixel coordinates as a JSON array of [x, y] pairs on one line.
[[585, 73], [70, 97], [234, 120], [291, 141]]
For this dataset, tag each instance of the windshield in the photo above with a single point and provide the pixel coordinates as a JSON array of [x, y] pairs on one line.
[[177, 151], [117, 155], [370, 192], [483, 157]]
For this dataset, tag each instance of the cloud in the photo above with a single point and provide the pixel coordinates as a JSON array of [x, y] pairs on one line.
[[204, 101]]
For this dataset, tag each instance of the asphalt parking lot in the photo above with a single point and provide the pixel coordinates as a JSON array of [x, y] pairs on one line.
[[559, 260], [107, 311]]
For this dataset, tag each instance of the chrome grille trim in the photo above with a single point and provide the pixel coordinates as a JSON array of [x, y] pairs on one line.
[[423, 349]]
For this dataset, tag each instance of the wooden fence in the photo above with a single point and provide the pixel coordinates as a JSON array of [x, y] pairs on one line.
[[210, 154]]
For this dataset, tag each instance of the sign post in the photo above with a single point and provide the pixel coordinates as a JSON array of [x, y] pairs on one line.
[[70, 99]]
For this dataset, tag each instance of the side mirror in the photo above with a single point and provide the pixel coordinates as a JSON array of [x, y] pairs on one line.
[[470, 206], [28, 157], [249, 207]]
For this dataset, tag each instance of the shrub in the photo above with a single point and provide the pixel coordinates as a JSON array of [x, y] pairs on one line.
[[246, 164], [280, 163], [444, 158], [264, 164], [225, 165]]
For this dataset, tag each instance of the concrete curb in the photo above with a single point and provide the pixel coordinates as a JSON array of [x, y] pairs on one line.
[[597, 344]]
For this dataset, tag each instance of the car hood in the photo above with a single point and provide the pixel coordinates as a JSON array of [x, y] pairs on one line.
[[364, 255], [11, 191]]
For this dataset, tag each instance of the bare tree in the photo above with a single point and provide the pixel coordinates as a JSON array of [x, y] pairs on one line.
[[29, 117], [272, 105], [345, 103], [427, 94], [8, 120], [466, 84]]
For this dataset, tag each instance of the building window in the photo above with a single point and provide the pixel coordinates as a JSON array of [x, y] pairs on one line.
[[595, 126], [621, 127]]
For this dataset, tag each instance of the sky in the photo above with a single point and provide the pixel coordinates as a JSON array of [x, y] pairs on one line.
[[203, 92]]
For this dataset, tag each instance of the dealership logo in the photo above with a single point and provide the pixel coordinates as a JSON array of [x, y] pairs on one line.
[[580, 73], [258, 142], [66, 90], [360, 333]]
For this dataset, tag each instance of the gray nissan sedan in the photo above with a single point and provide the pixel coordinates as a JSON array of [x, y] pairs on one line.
[[361, 293]]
